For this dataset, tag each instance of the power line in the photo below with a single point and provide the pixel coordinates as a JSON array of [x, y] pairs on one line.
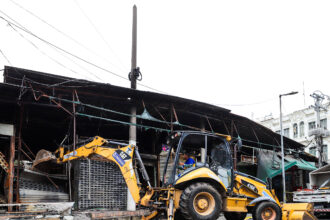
[[248, 104], [59, 31], [5, 57], [67, 52], [43, 53], [98, 32], [22, 27]]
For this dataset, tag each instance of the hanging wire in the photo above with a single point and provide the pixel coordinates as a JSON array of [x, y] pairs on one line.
[[52, 98], [59, 31], [140, 117], [22, 28], [3, 54], [69, 53], [45, 54], [122, 122], [247, 104], [99, 34]]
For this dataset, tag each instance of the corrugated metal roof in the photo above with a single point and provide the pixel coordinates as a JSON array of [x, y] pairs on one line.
[[190, 112]]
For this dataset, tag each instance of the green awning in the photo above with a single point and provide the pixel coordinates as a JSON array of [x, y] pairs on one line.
[[270, 164], [301, 164]]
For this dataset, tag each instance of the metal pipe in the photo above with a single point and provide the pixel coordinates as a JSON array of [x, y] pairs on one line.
[[11, 170], [68, 168], [282, 151], [27, 147], [19, 152], [74, 122], [74, 144], [282, 145], [142, 167], [27, 156], [235, 157]]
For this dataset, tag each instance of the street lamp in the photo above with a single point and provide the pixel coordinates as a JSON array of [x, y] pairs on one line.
[[282, 147]]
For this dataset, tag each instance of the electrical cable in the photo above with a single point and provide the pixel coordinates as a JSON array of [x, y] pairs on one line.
[[52, 85], [3, 54], [57, 47], [61, 32], [18, 25], [71, 54], [45, 54], [98, 32], [122, 122], [248, 104], [139, 125]]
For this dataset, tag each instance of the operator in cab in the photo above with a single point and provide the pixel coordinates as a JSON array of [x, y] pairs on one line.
[[186, 162]]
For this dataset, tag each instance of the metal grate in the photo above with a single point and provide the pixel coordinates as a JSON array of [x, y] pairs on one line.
[[3, 162], [39, 186], [39, 191], [99, 184]]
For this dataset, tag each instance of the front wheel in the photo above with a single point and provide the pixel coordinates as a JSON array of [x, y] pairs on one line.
[[267, 211], [235, 215], [200, 201]]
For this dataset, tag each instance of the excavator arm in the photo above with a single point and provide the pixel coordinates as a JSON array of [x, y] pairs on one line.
[[122, 156]]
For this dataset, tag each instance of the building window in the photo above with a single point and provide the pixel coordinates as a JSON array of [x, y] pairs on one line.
[[302, 129], [323, 123], [286, 132], [295, 130], [312, 151], [311, 125], [325, 152]]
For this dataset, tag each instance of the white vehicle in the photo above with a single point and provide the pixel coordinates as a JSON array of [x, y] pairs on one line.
[[318, 192]]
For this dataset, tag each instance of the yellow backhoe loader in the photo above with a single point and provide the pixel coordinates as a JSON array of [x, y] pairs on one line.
[[201, 189]]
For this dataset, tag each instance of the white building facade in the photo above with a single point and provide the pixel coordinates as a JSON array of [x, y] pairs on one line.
[[297, 126]]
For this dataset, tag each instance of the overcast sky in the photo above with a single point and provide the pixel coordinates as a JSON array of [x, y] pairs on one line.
[[236, 54]]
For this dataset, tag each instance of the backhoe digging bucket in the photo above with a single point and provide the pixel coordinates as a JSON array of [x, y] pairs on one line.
[[298, 211], [43, 156]]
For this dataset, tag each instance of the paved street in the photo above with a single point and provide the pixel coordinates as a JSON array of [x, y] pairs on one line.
[[223, 218]]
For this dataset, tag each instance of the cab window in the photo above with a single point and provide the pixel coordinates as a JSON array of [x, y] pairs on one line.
[[219, 159]]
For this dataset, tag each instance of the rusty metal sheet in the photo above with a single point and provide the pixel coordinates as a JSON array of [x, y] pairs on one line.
[[249, 159], [116, 214]]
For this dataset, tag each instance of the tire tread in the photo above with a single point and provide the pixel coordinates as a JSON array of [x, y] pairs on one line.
[[184, 200]]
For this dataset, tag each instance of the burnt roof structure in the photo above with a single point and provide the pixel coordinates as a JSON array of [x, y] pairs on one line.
[[50, 102]]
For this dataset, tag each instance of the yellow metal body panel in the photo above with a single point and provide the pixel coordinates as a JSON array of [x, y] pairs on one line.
[[252, 188], [112, 154], [233, 204], [146, 198], [297, 211], [177, 196], [200, 173]]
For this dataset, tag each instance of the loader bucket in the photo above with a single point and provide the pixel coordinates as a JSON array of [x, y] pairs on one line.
[[297, 211], [43, 156]]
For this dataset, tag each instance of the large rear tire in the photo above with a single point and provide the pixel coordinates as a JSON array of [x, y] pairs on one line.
[[200, 201], [267, 211], [235, 215]]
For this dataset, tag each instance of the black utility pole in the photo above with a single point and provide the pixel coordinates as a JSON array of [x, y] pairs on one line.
[[132, 76], [319, 132], [134, 39]]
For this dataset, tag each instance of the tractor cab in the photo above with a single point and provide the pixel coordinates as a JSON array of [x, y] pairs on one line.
[[189, 151], [199, 168]]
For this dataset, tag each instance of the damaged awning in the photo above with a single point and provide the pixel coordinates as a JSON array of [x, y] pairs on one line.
[[105, 109], [270, 164]]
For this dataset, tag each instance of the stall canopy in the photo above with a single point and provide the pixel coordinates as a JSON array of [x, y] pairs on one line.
[[270, 164]]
